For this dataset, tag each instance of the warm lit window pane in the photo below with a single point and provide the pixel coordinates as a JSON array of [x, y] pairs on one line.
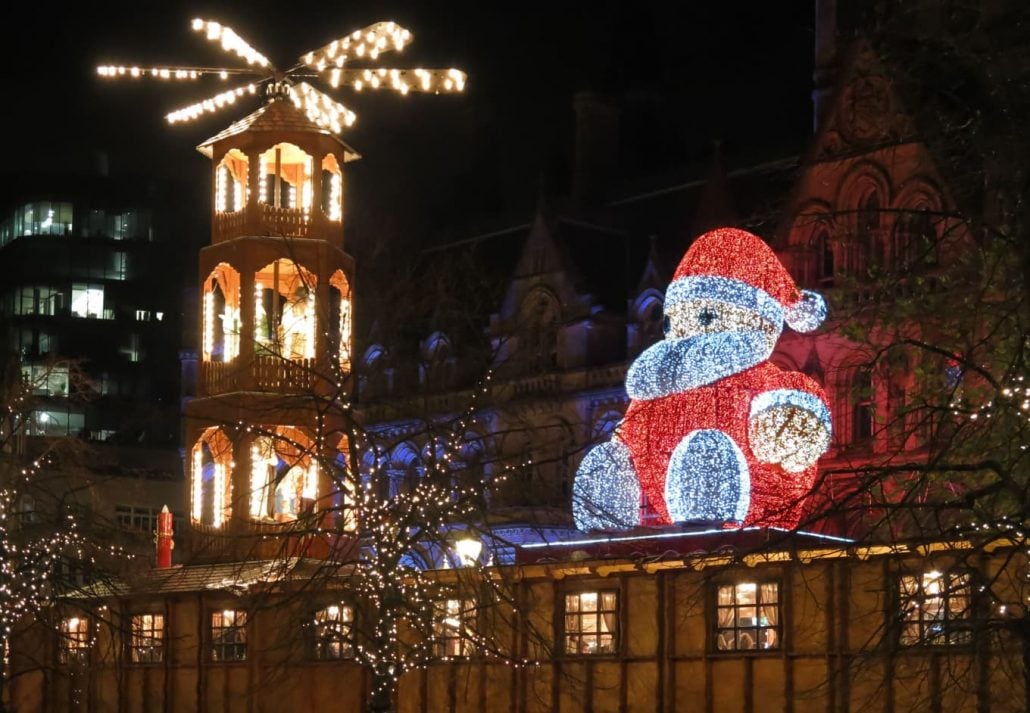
[[591, 623], [333, 632], [75, 640], [747, 616], [454, 626], [229, 635], [934, 608], [148, 638]]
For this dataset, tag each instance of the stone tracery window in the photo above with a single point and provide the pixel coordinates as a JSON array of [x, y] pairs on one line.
[[437, 367], [221, 328], [650, 316], [538, 323]]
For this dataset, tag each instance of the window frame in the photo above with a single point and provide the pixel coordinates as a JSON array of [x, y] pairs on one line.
[[956, 630], [137, 637], [342, 628], [75, 648], [463, 635], [615, 631], [215, 646], [716, 630]]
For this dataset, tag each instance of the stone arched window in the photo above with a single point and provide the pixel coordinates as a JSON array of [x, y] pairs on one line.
[[211, 478], [863, 407], [285, 315], [552, 454], [826, 266], [341, 318], [539, 318], [868, 227], [221, 328], [604, 426], [285, 178], [649, 315], [437, 368], [231, 182], [916, 234], [374, 380], [332, 189], [284, 475], [405, 469]]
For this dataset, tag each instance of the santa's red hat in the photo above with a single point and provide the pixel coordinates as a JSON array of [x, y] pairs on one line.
[[735, 266]]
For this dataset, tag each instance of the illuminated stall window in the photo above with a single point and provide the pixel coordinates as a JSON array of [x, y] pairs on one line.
[[211, 484], [591, 622], [229, 635], [283, 477], [333, 632], [231, 182], [221, 329], [332, 188], [935, 608], [454, 627], [75, 640], [284, 310], [148, 638], [340, 317], [747, 616], [285, 180]]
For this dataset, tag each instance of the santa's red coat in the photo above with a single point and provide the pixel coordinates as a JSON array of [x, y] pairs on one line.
[[652, 429]]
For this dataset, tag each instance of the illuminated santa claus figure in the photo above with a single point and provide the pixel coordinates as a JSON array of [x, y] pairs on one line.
[[714, 431]]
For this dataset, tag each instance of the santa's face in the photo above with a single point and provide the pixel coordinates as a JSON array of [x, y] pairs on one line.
[[705, 316], [706, 340]]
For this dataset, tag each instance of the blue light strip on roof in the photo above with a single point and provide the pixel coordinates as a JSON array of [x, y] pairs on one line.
[[670, 535]]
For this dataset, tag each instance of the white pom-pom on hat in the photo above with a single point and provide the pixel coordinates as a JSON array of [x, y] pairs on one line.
[[807, 313]]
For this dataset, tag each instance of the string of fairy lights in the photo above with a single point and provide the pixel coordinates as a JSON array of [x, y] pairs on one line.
[[329, 63], [390, 525], [37, 541]]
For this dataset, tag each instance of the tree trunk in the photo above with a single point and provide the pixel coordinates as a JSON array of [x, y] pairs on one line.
[[383, 692]]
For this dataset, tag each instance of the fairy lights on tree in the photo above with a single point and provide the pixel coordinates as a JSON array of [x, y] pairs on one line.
[[714, 431], [331, 63], [42, 542]]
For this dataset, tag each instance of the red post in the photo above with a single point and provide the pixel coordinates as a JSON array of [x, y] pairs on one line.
[[165, 543]]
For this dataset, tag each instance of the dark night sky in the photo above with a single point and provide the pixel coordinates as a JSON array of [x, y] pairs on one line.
[[687, 72]]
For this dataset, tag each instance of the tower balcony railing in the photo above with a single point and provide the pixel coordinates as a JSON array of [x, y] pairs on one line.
[[265, 373], [230, 225], [288, 222]]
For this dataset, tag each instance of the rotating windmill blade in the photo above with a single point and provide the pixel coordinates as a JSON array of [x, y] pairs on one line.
[[328, 63]]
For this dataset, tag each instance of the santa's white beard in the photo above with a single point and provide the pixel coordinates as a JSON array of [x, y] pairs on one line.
[[675, 365]]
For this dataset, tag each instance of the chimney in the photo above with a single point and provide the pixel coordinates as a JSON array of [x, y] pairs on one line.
[[165, 543], [597, 147], [825, 72]]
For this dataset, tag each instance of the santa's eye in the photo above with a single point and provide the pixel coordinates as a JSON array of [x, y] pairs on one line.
[[706, 317], [665, 324]]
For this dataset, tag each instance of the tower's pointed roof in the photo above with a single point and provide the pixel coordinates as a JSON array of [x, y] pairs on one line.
[[278, 115]]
